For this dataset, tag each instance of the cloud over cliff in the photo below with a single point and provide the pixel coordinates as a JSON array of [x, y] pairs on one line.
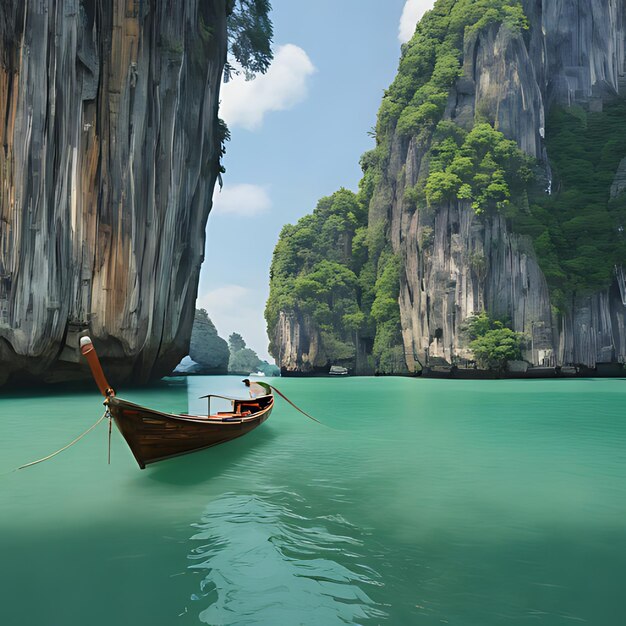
[[411, 15], [241, 200], [245, 103]]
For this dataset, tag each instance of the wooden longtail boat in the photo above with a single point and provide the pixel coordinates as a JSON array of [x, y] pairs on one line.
[[155, 436]]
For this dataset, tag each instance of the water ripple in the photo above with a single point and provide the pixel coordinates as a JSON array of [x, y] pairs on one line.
[[263, 563]]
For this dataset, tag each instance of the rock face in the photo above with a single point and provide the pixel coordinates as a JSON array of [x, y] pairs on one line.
[[299, 345], [456, 264], [469, 265], [110, 152], [299, 350]]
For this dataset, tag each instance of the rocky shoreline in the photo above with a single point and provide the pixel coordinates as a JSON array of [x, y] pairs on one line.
[[602, 370]]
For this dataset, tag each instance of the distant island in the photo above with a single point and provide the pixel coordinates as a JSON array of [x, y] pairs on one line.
[[209, 354]]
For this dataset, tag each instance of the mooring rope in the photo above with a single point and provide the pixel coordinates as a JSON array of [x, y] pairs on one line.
[[69, 445]]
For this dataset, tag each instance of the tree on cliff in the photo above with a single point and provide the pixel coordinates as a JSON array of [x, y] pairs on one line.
[[236, 343], [244, 360], [250, 35], [491, 342]]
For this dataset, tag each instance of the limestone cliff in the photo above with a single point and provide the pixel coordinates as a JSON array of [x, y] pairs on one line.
[[109, 153], [572, 53], [510, 67]]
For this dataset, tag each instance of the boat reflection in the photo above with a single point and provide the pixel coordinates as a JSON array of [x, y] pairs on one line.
[[263, 563]]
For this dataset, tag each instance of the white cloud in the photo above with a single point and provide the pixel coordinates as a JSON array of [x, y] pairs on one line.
[[234, 309], [245, 103], [243, 199], [222, 299], [411, 15]]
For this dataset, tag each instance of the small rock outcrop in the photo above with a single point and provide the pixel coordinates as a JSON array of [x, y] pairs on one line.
[[207, 348], [300, 349]]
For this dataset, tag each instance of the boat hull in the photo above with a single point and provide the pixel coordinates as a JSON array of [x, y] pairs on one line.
[[155, 436]]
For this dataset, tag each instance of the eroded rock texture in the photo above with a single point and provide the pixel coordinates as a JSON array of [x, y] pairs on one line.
[[300, 347], [109, 152]]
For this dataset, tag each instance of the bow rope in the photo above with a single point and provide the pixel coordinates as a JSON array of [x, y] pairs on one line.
[[70, 444]]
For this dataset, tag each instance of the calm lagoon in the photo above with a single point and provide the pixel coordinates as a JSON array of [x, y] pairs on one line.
[[420, 502]]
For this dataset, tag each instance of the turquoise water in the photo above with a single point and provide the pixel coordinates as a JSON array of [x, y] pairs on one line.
[[422, 502]]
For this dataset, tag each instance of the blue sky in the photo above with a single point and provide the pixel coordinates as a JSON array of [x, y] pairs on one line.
[[297, 135]]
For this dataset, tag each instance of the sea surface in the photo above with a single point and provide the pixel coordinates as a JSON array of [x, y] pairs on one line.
[[419, 502]]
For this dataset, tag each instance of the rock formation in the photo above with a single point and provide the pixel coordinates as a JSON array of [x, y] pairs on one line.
[[207, 348], [110, 148], [456, 263]]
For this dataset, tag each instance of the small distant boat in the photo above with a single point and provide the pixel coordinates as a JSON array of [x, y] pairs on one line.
[[257, 373], [155, 436], [337, 370]]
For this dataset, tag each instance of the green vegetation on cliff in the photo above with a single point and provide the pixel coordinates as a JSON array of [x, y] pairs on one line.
[[492, 343], [481, 166], [431, 61], [250, 35], [578, 230], [329, 267], [250, 32], [312, 267], [213, 355], [414, 104], [244, 360], [207, 348], [338, 265], [313, 272]]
